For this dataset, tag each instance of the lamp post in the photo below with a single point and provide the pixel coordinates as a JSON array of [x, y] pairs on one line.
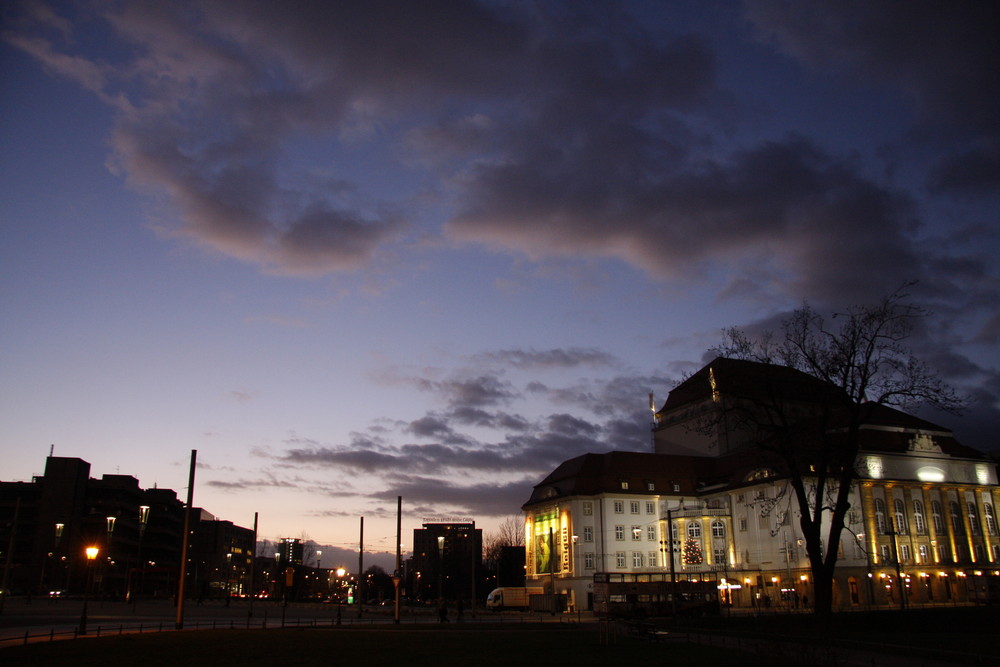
[[91, 553], [440, 541], [340, 590], [319, 570], [133, 589]]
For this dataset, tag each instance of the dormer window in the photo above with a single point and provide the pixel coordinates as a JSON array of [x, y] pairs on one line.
[[623, 485]]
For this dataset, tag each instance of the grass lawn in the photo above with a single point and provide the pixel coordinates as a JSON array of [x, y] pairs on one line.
[[431, 645]]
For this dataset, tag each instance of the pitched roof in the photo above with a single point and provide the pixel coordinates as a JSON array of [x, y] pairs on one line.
[[591, 474], [749, 379]]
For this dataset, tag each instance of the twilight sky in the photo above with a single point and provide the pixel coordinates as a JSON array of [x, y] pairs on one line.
[[355, 250]]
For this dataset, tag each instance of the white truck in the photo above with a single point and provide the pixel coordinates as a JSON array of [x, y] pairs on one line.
[[512, 597]]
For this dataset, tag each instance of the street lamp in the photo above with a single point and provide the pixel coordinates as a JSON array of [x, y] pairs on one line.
[[91, 553], [143, 520], [440, 541]]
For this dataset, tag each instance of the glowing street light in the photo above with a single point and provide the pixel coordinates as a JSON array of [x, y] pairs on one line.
[[91, 553]]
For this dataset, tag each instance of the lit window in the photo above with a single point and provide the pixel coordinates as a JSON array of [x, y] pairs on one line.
[[651, 533], [619, 532], [650, 486], [900, 517], [619, 507], [923, 553], [936, 517], [636, 559], [694, 529], [918, 517], [718, 556], [904, 552], [677, 488], [718, 529], [620, 559], [991, 522], [880, 515], [624, 485], [973, 518], [636, 533]]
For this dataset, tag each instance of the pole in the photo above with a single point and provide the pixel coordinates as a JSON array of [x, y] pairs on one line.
[[673, 571], [399, 555], [253, 566], [899, 576], [184, 542], [361, 568]]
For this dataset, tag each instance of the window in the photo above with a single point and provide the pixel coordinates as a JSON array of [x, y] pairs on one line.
[[900, 516], [991, 522], [886, 554], [633, 507], [619, 559], [743, 524], [588, 508], [650, 508], [918, 517], [588, 533], [718, 529], [996, 553], [588, 560], [619, 507], [904, 552], [694, 529], [956, 517], [624, 485], [677, 488], [636, 559], [650, 486], [718, 556], [880, 516], [936, 517], [652, 558], [979, 553], [636, 533], [973, 518], [651, 533], [619, 532], [923, 554]]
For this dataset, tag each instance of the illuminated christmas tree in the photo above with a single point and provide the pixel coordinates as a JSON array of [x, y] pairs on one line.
[[692, 552]]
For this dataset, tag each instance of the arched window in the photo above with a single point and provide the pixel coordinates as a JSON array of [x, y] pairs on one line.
[[880, 515], [956, 517], [918, 517], [936, 517], [991, 522], [973, 518], [718, 529], [900, 517], [694, 529]]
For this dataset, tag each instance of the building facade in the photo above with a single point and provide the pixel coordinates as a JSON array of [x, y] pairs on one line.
[[706, 505], [51, 521], [447, 561]]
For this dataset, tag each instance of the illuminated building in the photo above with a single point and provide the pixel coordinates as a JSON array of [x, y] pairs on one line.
[[922, 521]]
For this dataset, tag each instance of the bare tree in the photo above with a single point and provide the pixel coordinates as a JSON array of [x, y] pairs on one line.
[[509, 533], [861, 360]]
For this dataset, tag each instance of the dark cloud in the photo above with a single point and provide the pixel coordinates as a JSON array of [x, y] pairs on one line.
[[944, 55], [798, 213], [475, 392], [480, 500], [545, 359]]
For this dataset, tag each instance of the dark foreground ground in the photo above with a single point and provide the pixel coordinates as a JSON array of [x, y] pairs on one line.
[[959, 636], [432, 645]]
